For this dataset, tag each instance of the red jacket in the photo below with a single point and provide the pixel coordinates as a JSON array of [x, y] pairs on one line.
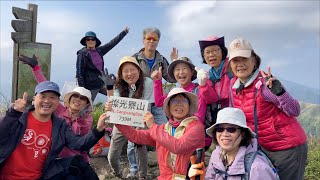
[[276, 130]]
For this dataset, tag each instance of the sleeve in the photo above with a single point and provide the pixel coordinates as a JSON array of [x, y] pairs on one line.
[[136, 136], [285, 102], [210, 172], [208, 92], [38, 74], [82, 143], [202, 108], [193, 138], [165, 74], [158, 93], [107, 47], [261, 170], [80, 70], [8, 122]]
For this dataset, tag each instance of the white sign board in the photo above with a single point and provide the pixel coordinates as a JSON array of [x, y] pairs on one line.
[[128, 111]]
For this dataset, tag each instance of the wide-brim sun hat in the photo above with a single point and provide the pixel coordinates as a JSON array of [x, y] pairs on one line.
[[239, 48], [230, 115], [78, 90], [90, 34], [193, 99], [128, 59], [182, 60]]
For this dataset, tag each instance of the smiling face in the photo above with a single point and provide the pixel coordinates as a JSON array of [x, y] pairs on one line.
[[183, 74], [91, 42], [45, 104], [78, 102], [130, 73], [150, 41], [229, 141], [242, 67], [213, 56], [179, 107]]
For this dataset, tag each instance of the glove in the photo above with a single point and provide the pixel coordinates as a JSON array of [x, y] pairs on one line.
[[196, 169], [202, 76], [32, 62], [276, 87], [108, 80]]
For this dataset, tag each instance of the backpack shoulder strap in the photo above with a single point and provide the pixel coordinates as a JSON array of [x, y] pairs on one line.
[[195, 90], [274, 169], [248, 160]]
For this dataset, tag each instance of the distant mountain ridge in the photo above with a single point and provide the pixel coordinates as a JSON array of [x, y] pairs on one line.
[[310, 118], [301, 92]]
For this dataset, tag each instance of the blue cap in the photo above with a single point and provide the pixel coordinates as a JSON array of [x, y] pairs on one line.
[[47, 86]]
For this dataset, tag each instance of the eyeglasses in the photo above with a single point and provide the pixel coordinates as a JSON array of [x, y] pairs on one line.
[[214, 51], [152, 38], [90, 39], [82, 98], [229, 129], [175, 101]]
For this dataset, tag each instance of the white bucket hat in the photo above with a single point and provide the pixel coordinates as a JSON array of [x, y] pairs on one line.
[[78, 90], [193, 108], [233, 116], [239, 48]]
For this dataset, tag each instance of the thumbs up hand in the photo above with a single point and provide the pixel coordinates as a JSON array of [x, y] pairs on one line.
[[157, 74], [20, 104], [202, 76]]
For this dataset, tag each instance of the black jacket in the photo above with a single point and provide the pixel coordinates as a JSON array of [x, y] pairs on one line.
[[87, 73]]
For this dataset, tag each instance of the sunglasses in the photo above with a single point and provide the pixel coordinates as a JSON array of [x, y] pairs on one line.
[[229, 129], [82, 98], [90, 39], [151, 38]]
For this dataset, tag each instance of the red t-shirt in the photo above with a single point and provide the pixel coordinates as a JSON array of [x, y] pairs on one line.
[[28, 159]]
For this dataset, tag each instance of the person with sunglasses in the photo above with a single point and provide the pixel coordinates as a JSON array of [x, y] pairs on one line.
[[90, 71], [76, 110], [270, 111], [176, 140], [234, 140]]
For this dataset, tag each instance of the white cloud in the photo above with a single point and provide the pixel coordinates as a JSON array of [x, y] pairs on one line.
[[277, 63]]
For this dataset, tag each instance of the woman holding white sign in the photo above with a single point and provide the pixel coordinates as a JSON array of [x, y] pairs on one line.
[[130, 83], [176, 140]]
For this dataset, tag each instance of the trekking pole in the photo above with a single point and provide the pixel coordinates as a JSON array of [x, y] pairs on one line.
[[199, 153]]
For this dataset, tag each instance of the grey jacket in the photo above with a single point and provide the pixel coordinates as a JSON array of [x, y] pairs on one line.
[[160, 61]]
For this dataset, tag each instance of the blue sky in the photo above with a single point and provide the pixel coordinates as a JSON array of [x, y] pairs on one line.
[[286, 34]]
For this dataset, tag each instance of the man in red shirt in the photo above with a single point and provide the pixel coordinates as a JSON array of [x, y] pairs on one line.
[[30, 141]]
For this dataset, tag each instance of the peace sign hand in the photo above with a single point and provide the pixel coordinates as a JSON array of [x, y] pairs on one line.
[[108, 79], [20, 104], [272, 83], [174, 54]]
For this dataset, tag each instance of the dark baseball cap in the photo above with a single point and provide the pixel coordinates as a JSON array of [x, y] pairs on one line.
[[47, 86]]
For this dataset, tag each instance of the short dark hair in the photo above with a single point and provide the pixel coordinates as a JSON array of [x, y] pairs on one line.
[[246, 138]]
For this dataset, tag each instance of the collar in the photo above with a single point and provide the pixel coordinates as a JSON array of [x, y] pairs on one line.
[[250, 80]]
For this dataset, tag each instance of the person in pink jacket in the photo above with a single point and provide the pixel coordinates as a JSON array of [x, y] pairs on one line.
[[183, 71], [176, 140], [270, 111], [234, 140], [76, 109]]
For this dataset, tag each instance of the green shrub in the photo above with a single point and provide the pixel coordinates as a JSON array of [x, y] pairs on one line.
[[98, 109], [313, 161]]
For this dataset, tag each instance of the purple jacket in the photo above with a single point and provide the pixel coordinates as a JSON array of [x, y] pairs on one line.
[[260, 168]]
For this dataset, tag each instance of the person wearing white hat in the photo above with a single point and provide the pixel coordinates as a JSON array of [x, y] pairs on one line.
[[76, 109], [270, 111], [234, 140], [176, 140]]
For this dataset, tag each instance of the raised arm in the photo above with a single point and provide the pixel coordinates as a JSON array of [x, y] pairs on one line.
[[136, 136], [107, 47]]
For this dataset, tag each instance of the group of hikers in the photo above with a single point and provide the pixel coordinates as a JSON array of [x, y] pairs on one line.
[[245, 112]]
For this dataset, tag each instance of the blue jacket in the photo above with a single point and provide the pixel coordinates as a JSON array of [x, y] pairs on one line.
[[87, 73], [12, 129]]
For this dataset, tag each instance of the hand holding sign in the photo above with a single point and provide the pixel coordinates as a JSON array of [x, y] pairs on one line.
[[20, 104], [101, 125], [148, 119]]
